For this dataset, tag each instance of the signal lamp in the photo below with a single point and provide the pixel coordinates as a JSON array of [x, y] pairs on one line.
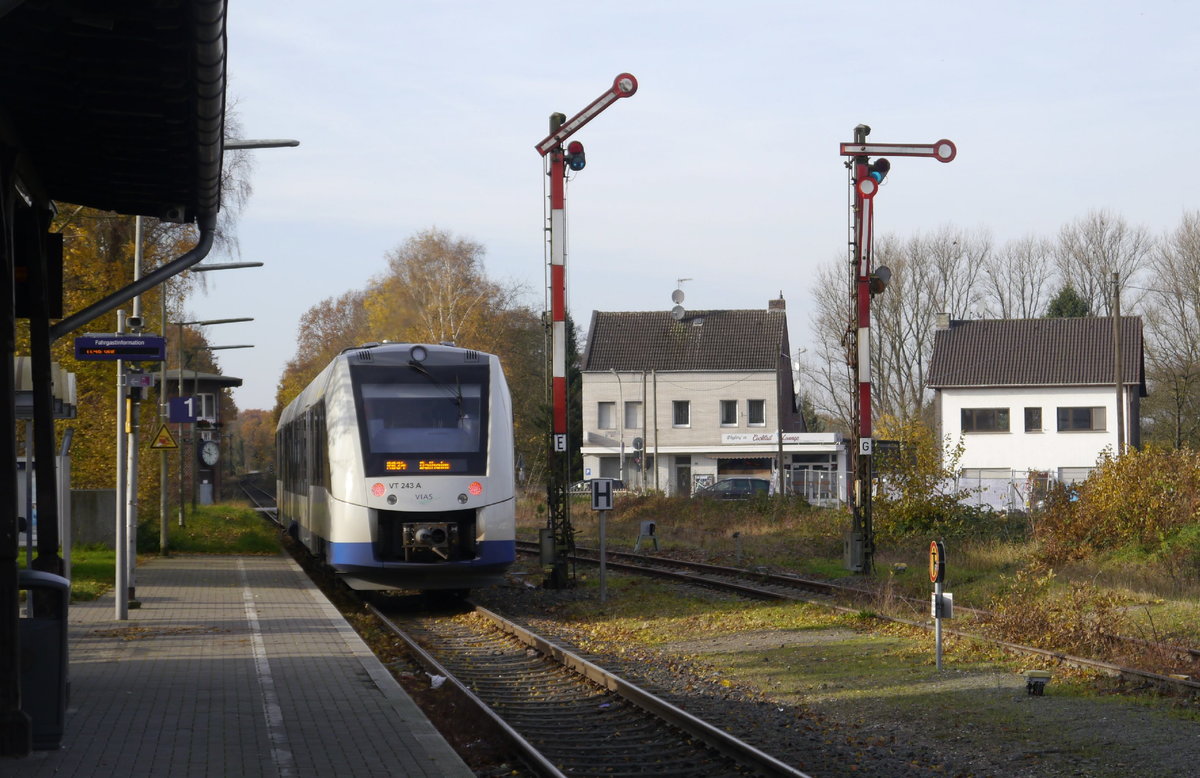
[[576, 160], [879, 280], [878, 169]]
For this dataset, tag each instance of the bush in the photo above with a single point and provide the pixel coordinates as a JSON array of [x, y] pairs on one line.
[[1146, 500], [914, 494], [1077, 619]]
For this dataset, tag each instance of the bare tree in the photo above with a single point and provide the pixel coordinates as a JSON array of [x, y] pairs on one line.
[[824, 369], [1091, 248], [1172, 315], [1018, 279], [930, 275]]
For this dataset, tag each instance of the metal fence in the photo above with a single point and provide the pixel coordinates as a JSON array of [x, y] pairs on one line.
[[826, 488], [1019, 490]]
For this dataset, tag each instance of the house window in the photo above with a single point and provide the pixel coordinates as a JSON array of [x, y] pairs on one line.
[[1081, 419], [633, 414], [1073, 475], [606, 416], [729, 413], [985, 419], [206, 407], [756, 413], [1033, 419], [681, 413]]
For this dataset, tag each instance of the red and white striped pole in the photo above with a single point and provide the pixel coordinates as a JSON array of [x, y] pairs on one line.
[[558, 296], [559, 533], [865, 178]]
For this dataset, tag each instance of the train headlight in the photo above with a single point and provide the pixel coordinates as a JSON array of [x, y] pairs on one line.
[[417, 354], [475, 488], [377, 489], [462, 498]]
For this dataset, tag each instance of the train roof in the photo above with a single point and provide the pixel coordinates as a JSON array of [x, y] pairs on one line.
[[409, 353]]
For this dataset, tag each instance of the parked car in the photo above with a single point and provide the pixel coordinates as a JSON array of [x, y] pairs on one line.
[[735, 489], [585, 487]]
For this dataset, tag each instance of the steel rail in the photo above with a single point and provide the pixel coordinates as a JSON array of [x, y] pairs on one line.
[[524, 748], [730, 747], [724, 742]]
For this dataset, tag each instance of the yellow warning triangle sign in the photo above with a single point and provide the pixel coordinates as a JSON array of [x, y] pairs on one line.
[[164, 439]]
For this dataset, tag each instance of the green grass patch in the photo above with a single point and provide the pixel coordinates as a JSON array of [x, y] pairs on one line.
[[652, 612], [93, 572], [214, 529], [1160, 590]]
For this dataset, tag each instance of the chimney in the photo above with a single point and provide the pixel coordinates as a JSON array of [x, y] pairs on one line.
[[777, 305], [941, 321]]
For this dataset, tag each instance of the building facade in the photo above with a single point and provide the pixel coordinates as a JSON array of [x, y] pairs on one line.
[[1035, 398], [672, 404], [205, 444]]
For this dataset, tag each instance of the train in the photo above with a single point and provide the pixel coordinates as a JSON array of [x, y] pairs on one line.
[[395, 468]]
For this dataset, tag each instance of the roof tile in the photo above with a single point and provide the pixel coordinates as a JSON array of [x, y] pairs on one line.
[[701, 340], [1035, 352]]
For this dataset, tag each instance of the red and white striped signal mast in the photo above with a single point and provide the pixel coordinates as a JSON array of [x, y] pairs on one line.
[[558, 529], [866, 281]]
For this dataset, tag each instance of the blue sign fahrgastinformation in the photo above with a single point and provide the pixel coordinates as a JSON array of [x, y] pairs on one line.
[[111, 347]]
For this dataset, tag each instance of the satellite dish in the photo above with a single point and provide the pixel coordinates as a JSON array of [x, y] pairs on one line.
[[677, 312], [677, 296]]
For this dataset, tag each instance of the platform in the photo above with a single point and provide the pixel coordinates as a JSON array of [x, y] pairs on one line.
[[233, 665]]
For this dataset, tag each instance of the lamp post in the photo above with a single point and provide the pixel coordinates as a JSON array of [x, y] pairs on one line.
[[620, 419], [779, 426]]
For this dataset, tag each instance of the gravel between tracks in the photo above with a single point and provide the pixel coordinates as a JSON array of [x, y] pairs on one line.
[[956, 723]]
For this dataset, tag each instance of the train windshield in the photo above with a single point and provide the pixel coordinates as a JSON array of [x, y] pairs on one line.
[[405, 418], [431, 420]]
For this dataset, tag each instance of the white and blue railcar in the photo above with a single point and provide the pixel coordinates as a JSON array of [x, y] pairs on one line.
[[396, 467]]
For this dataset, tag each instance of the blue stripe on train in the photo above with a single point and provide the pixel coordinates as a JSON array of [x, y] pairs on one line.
[[354, 555]]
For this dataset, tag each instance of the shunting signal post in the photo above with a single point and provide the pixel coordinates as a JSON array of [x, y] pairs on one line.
[[558, 537], [866, 281]]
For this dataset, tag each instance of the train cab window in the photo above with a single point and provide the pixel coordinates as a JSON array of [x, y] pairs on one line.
[[421, 418], [430, 421]]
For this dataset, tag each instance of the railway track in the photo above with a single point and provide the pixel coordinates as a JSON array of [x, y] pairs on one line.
[[764, 585], [563, 714], [263, 500]]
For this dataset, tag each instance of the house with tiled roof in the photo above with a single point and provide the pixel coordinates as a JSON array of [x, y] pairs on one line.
[[1034, 396], [674, 401]]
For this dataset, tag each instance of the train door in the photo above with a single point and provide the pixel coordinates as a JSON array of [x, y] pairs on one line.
[[683, 476]]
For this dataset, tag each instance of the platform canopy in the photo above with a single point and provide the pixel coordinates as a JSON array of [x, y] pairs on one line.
[[117, 105]]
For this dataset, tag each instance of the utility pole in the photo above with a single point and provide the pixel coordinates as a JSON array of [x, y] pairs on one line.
[[559, 531], [1118, 379], [866, 281]]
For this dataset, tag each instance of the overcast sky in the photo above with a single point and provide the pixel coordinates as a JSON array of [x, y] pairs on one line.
[[722, 169]]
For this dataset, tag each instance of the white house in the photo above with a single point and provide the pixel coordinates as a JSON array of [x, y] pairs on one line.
[[1035, 396], [673, 404]]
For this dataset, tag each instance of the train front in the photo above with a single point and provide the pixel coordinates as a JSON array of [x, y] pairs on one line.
[[434, 428]]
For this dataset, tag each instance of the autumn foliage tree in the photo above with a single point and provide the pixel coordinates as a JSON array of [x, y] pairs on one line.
[[256, 437], [325, 329], [917, 491], [435, 289], [1147, 501]]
